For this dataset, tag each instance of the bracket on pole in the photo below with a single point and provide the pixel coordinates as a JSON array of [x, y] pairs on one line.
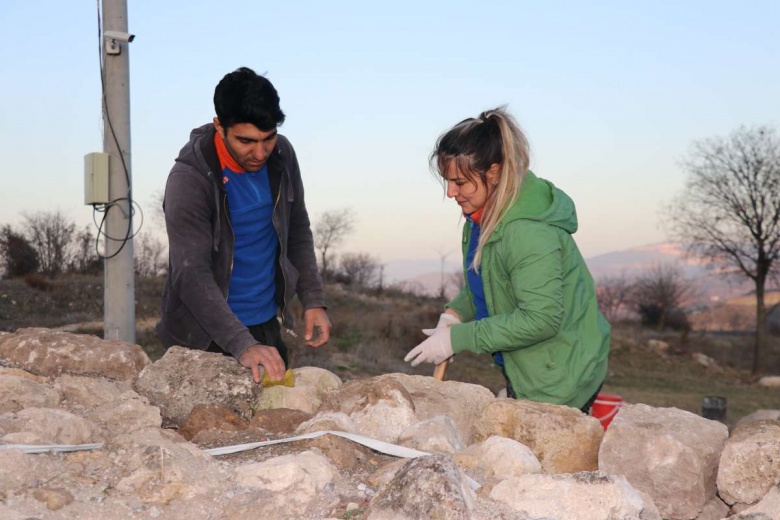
[[112, 41]]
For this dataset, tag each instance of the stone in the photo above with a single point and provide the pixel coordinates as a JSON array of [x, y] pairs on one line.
[[670, 454], [305, 472], [279, 421], [768, 508], [47, 353], [184, 378], [159, 467], [27, 470], [18, 372], [461, 402], [380, 408], [758, 415], [425, 487], [564, 439], [578, 496], [715, 509], [327, 421], [499, 458], [750, 463], [658, 346], [342, 453], [55, 499], [204, 417], [48, 426], [89, 392], [312, 386], [17, 393], [127, 413], [769, 381], [439, 434], [289, 483]]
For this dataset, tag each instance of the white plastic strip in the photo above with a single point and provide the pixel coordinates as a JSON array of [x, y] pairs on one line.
[[380, 446], [384, 447], [44, 448]]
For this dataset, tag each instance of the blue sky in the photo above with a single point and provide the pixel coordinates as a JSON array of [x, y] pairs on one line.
[[611, 95]]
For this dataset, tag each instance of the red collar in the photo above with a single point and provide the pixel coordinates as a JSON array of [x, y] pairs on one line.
[[476, 217], [226, 160]]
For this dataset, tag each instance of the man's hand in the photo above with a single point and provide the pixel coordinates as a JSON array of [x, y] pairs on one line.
[[316, 318], [435, 349], [447, 319], [268, 357]]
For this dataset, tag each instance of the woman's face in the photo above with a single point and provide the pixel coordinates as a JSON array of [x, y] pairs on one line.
[[470, 194]]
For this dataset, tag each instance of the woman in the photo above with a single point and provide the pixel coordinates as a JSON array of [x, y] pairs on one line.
[[529, 299]]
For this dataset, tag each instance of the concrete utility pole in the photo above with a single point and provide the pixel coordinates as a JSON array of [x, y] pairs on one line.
[[119, 293]]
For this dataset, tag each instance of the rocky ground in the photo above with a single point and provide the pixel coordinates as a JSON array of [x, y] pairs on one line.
[[402, 446]]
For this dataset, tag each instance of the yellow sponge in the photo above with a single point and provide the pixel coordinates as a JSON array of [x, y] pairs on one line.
[[287, 380]]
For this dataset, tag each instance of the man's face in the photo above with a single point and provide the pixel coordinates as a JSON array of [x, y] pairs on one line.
[[249, 146]]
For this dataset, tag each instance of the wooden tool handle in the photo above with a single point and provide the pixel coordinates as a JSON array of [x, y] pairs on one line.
[[440, 370]]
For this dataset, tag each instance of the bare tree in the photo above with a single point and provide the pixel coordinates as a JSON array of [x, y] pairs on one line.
[[729, 211], [659, 295], [380, 283], [84, 258], [158, 215], [50, 233], [614, 296], [149, 256], [329, 231], [359, 268], [16, 254]]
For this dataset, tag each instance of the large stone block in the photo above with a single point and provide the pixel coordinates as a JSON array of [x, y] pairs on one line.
[[670, 454], [563, 439]]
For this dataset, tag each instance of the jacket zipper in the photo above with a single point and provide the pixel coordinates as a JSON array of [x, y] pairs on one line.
[[281, 267], [232, 252]]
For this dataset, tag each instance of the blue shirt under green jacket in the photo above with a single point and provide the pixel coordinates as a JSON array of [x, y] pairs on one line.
[[541, 301]]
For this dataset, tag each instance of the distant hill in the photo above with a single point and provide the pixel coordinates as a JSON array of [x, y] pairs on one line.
[[711, 286], [710, 283]]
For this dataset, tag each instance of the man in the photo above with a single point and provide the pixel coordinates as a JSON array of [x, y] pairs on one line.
[[239, 235]]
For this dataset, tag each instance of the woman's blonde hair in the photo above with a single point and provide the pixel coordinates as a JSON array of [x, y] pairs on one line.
[[475, 144]]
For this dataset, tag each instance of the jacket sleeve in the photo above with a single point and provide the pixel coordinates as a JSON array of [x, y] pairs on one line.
[[531, 253], [189, 213], [300, 243]]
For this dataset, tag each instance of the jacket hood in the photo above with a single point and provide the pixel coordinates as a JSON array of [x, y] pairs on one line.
[[541, 201], [191, 153]]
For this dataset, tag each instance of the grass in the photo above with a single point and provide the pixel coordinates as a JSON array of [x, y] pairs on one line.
[[373, 331]]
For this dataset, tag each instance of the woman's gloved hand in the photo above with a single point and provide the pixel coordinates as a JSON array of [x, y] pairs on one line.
[[446, 320], [435, 349]]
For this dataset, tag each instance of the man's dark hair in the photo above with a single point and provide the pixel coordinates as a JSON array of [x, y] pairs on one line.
[[243, 96]]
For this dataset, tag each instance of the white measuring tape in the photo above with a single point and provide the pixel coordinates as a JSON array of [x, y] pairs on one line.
[[380, 446], [44, 448]]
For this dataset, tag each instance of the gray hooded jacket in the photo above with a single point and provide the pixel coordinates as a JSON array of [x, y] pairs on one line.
[[201, 241]]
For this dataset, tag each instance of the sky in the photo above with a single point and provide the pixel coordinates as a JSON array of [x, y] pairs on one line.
[[610, 94]]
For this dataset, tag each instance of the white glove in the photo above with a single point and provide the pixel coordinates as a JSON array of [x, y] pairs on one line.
[[435, 349], [446, 320]]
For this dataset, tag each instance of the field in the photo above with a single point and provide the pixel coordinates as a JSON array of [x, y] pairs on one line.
[[373, 331]]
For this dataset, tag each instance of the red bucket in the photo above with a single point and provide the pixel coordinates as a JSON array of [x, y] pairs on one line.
[[605, 407]]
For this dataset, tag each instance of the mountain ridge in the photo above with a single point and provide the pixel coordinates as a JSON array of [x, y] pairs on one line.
[[425, 276]]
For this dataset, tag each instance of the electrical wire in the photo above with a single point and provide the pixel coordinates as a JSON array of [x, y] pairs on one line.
[[105, 208]]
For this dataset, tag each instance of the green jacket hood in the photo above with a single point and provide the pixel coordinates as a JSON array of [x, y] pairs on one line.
[[541, 201]]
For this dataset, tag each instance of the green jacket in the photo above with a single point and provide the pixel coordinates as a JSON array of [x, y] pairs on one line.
[[541, 300]]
